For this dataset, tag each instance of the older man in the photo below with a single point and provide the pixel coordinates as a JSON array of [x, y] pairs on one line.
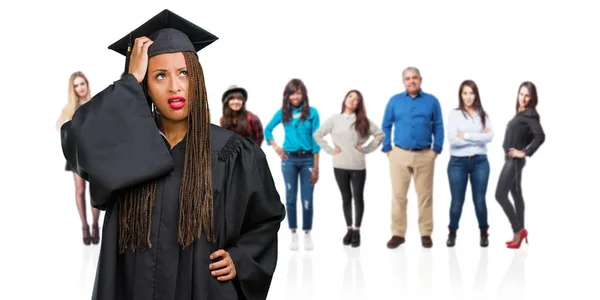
[[418, 138]]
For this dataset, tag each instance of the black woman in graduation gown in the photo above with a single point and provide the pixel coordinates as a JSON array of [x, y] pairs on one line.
[[183, 197]]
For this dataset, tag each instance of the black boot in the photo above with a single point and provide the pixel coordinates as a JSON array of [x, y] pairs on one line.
[[348, 237], [484, 238], [451, 238], [355, 238]]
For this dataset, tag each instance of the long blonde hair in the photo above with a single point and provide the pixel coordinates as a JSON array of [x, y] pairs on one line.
[[73, 99]]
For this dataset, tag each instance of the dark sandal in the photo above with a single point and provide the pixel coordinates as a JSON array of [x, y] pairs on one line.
[[86, 235], [95, 235]]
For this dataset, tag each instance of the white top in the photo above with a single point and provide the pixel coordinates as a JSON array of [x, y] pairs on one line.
[[475, 141], [343, 135]]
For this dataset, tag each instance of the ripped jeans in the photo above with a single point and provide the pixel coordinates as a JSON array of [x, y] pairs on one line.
[[298, 165]]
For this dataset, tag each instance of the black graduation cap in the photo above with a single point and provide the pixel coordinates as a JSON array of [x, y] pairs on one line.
[[169, 33]]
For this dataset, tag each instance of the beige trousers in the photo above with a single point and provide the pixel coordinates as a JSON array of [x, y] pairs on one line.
[[403, 165]]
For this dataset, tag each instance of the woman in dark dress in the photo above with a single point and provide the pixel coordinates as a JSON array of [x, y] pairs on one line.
[[191, 209], [79, 94], [524, 135]]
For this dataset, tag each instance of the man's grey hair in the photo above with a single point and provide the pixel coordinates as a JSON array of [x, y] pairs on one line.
[[411, 69]]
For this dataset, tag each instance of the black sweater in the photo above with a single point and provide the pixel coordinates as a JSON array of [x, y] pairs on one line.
[[524, 132]]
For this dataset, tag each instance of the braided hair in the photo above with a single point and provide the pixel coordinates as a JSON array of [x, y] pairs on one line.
[[195, 194]]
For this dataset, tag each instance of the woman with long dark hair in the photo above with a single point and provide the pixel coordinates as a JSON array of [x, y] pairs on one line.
[[350, 130], [299, 155], [237, 119], [469, 130], [191, 208], [523, 137]]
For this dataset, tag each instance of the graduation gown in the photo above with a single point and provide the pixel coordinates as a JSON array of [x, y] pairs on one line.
[[114, 143]]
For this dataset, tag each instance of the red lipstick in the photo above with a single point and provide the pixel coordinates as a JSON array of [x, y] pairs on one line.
[[176, 102]]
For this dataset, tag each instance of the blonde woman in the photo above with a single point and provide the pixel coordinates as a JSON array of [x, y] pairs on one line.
[[79, 94]]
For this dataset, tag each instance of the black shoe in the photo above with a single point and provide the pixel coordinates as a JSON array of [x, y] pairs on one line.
[[348, 237], [355, 238], [484, 242], [451, 238]]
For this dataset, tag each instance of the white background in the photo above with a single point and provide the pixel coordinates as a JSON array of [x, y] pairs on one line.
[[333, 47]]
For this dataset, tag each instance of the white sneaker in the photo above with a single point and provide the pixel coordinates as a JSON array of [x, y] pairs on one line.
[[294, 244], [308, 242]]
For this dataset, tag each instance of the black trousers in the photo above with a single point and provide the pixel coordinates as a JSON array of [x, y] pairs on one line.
[[510, 181], [352, 184]]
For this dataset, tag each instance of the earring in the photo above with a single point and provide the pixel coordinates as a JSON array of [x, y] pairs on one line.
[[154, 115]]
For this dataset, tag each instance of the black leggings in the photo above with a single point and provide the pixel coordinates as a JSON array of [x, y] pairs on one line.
[[352, 183], [510, 181]]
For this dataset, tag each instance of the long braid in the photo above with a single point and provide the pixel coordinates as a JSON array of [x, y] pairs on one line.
[[195, 194], [196, 202], [135, 217]]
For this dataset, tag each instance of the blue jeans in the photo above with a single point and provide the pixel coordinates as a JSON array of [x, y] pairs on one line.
[[294, 167], [460, 170]]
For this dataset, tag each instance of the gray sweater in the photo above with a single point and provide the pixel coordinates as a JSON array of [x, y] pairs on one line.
[[343, 135]]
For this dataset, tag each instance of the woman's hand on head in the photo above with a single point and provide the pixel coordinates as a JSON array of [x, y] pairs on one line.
[[138, 61]]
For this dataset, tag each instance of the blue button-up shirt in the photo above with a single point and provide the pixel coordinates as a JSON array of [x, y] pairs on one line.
[[415, 121]]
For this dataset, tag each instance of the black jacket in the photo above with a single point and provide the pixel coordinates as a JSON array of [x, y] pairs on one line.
[[524, 132], [114, 143]]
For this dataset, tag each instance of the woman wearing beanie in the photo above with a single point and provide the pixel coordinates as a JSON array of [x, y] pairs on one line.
[[237, 119]]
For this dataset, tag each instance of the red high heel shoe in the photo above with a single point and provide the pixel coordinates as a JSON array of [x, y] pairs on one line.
[[517, 245]]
